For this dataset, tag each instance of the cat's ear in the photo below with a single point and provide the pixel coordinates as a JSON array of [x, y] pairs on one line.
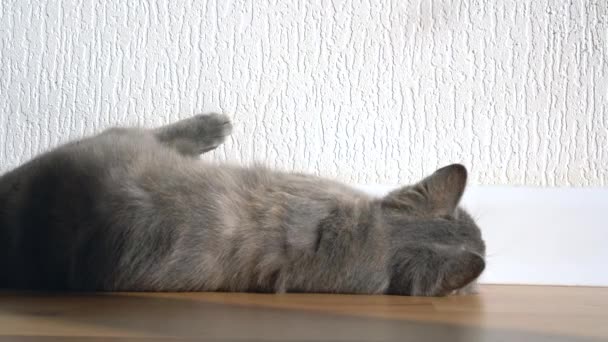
[[460, 270], [438, 194]]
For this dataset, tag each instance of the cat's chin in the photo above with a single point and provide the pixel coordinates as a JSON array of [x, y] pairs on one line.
[[470, 289]]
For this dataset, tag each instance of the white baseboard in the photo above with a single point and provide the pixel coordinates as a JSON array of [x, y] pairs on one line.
[[540, 236]]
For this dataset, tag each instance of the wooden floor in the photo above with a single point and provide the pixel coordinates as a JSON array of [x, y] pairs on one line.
[[499, 313]]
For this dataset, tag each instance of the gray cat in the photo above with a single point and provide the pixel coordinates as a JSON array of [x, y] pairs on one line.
[[136, 210]]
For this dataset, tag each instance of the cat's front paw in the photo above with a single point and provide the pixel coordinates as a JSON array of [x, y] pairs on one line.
[[212, 130]]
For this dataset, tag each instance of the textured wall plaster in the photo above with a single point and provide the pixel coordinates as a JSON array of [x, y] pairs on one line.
[[365, 91]]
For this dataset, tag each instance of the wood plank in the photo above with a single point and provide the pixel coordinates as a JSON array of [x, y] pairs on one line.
[[499, 313]]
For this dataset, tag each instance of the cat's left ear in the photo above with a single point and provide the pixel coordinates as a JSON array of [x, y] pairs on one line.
[[438, 194]]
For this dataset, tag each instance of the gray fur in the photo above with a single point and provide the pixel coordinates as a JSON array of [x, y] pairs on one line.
[[134, 210]]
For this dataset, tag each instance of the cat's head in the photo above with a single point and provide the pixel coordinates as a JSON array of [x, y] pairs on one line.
[[436, 247]]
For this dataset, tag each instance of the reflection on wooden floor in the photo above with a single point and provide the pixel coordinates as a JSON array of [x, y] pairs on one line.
[[499, 313]]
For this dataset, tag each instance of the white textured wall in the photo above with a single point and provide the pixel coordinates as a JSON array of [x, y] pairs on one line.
[[366, 91]]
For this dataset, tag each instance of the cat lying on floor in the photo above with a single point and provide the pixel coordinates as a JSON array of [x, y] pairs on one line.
[[135, 209]]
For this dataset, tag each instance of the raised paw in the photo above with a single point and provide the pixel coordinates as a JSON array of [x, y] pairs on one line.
[[212, 130], [196, 135]]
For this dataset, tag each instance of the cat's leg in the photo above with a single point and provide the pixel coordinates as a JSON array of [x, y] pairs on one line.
[[195, 135], [439, 270]]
